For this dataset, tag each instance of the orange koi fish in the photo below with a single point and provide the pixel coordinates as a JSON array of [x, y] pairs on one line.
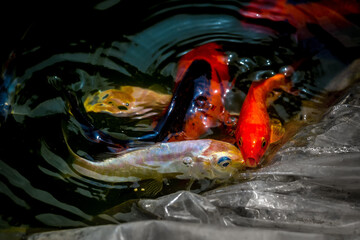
[[255, 130]]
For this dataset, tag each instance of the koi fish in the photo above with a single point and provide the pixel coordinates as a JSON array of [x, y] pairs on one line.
[[197, 105], [194, 159], [255, 130], [128, 101]]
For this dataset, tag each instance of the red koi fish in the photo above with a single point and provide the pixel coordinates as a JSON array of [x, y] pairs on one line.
[[207, 109], [197, 105], [255, 130]]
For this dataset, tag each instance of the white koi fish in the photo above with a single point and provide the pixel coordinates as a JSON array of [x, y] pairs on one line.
[[193, 159]]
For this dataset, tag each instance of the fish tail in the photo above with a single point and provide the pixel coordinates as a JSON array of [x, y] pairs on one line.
[[280, 81], [275, 82]]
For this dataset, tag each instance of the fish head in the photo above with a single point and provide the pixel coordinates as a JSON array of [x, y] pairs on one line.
[[253, 141], [117, 99], [223, 160]]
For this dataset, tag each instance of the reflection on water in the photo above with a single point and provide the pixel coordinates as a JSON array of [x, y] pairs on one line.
[[38, 186]]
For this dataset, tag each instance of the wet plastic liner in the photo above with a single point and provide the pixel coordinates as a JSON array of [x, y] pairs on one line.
[[172, 230], [310, 191]]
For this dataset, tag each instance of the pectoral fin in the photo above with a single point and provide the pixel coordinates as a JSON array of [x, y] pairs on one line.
[[149, 188], [277, 130]]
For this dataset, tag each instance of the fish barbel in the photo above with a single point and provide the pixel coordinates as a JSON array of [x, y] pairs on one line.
[[193, 159]]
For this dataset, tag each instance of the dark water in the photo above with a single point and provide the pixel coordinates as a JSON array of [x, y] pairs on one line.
[[104, 45]]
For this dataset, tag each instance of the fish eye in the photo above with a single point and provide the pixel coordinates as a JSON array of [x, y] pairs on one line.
[[224, 161], [240, 142], [263, 142]]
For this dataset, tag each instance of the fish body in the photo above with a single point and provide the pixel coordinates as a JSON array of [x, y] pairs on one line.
[[195, 159], [127, 101], [202, 82], [207, 109], [255, 130]]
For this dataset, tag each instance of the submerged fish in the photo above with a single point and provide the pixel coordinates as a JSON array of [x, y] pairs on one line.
[[255, 130], [193, 159], [127, 101]]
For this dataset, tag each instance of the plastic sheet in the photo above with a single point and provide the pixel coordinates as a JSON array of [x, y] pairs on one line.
[[172, 230], [310, 191]]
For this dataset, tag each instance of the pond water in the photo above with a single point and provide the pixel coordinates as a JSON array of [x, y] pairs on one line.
[[109, 44]]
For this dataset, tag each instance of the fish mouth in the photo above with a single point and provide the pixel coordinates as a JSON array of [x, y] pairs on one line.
[[251, 162]]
